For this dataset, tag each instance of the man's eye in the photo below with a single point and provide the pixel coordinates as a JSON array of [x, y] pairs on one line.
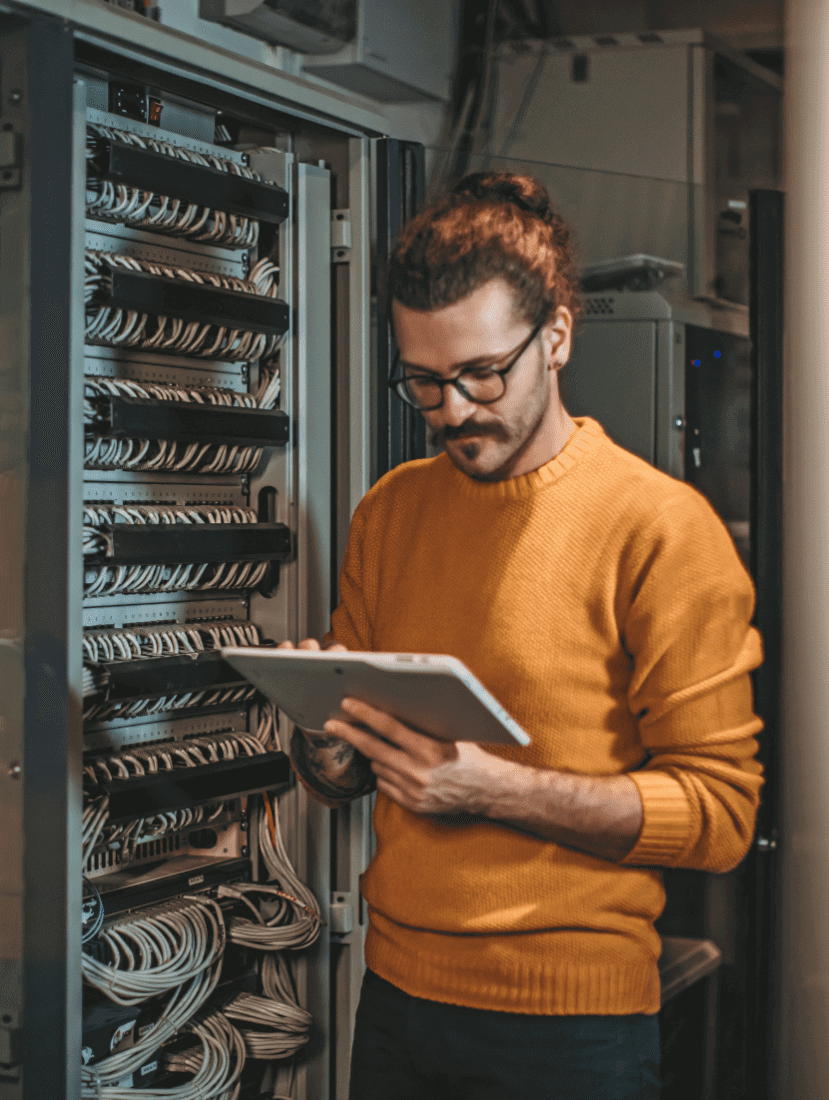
[[481, 374]]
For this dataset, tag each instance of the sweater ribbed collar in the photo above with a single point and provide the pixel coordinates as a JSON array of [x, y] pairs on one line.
[[586, 437]]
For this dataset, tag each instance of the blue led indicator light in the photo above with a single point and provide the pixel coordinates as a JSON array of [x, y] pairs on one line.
[[695, 362], [717, 354]]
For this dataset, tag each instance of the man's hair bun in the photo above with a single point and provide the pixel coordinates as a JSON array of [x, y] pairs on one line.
[[526, 193], [491, 225]]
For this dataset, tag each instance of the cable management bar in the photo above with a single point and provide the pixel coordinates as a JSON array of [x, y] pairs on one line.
[[149, 677], [145, 795], [201, 303], [191, 544], [190, 182], [139, 418]]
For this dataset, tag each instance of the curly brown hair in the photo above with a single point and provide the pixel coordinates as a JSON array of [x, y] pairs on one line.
[[491, 225]]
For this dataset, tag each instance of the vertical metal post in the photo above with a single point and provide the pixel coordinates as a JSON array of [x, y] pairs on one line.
[[401, 432], [312, 420], [38, 265], [802, 1000]]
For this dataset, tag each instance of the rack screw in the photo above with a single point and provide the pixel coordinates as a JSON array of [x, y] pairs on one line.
[[14, 771], [245, 850], [15, 97], [679, 423]]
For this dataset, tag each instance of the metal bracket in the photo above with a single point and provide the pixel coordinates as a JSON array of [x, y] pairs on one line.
[[11, 1051], [340, 236], [11, 159], [341, 916]]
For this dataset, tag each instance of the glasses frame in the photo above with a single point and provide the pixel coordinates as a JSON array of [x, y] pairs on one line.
[[398, 383]]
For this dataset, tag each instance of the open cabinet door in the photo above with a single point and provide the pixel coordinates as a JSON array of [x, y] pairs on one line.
[[761, 868], [401, 186], [40, 551]]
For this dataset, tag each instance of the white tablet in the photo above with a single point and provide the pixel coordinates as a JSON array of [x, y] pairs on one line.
[[435, 694]]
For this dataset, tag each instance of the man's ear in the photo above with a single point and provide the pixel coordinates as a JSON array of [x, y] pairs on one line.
[[558, 338]]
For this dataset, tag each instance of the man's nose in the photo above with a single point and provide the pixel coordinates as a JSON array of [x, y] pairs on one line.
[[455, 408]]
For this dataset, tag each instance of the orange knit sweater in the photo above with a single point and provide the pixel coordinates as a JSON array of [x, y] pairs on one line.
[[604, 605]]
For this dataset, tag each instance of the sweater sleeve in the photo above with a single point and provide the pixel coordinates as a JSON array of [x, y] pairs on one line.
[[689, 636]]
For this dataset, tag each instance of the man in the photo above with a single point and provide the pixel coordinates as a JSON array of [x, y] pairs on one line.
[[511, 947]]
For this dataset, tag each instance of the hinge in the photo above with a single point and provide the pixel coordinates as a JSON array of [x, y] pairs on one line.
[[11, 1050], [340, 236], [766, 844]]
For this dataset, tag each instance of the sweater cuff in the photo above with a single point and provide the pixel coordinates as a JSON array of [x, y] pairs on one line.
[[667, 821]]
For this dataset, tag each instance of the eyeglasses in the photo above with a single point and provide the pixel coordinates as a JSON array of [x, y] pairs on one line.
[[483, 385]]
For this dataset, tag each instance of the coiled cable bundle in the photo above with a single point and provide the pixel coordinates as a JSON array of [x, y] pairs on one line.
[[104, 580], [292, 925], [176, 947], [219, 1063], [102, 453], [156, 213], [294, 920], [117, 327], [280, 1028]]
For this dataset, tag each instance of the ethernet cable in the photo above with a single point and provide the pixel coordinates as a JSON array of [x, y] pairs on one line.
[[293, 925], [128, 328], [282, 1029]]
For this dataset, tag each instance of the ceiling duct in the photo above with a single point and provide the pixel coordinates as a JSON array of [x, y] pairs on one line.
[[309, 26]]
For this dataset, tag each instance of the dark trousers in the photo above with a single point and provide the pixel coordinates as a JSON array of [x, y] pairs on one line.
[[406, 1048]]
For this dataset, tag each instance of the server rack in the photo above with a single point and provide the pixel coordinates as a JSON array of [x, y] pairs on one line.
[[184, 378], [697, 392]]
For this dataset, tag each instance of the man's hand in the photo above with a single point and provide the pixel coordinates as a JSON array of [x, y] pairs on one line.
[[419, 773], [329, 766], [312, 643], [600, 815]]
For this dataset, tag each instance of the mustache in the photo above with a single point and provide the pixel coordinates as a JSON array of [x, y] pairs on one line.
[[469, 428]]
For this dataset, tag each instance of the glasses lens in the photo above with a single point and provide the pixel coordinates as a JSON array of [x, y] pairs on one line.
[[483, 386], [421, 392]]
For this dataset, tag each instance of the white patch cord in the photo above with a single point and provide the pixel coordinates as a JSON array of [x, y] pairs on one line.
[[128, 328]]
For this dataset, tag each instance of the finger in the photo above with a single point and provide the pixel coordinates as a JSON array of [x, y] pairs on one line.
[[286, 645], [369, 744], [335, 647], [309, 643], [405, 782], [414, 743]]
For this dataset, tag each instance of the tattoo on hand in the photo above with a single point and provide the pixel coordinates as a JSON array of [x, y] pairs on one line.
[[331, 766]]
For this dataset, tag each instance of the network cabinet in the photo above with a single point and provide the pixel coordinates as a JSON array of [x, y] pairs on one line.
[[188, 424]]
